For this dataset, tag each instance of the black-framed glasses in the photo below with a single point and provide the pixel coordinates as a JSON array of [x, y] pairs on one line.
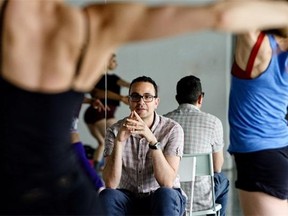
[[202, 94], [137, 97]]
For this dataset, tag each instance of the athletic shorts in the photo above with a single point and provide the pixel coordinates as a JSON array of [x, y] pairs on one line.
[[263, 171], [93, 115]]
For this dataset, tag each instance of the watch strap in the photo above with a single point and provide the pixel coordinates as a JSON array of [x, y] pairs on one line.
[[155, 146]]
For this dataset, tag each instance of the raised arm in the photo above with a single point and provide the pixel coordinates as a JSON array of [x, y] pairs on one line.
[[103, 28], [112, 25], [240, 16], [99, 93], [123, 83], [147, 22]]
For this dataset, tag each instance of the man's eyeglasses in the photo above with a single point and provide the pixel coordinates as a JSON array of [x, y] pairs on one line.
[[203, 94], [145, 97]]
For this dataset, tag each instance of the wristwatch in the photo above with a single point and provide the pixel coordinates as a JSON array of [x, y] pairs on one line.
[[155, 146]]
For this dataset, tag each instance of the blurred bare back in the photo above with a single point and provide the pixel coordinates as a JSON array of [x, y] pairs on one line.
[[41, 41]]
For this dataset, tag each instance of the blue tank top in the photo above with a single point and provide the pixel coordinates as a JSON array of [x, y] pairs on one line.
[[257, 107]]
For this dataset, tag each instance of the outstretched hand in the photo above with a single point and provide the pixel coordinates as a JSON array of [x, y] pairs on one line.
[[97, 104]]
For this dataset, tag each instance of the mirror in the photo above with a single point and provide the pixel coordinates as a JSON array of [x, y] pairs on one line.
[[206, 55]]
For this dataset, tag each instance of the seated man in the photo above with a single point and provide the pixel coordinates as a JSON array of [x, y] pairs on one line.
[[203, 133], [142, 153]]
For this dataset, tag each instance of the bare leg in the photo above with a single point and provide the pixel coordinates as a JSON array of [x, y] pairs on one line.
[[262, 204], [98, 131]]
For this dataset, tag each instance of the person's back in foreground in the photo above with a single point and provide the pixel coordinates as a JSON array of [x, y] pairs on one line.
[[142, 153], [203, 133], [51, 52]]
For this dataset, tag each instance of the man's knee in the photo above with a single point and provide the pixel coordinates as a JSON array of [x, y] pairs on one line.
[[170, 201], [108, 194], [168, 195], [165, 192]]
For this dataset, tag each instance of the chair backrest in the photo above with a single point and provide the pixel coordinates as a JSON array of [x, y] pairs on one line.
[[187, 169], [204, 167]]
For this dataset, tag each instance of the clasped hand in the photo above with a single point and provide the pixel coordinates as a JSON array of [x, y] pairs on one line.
[[135, 125]]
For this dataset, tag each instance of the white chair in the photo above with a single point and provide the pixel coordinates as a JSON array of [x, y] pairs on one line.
[[186, 171], [204, 167]]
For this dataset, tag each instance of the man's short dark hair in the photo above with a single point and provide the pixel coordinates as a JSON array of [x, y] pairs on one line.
[[188, 90], [145, 79]]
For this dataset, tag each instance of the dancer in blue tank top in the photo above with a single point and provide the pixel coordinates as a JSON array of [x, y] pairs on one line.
[[258, 128]]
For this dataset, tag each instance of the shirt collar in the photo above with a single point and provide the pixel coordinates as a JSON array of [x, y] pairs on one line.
[[187, 106], [155, 122]]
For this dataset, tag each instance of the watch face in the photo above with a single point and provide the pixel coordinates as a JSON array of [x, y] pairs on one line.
[[155, 146]]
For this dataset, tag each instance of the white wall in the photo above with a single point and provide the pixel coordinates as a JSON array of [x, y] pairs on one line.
[[204, 54]]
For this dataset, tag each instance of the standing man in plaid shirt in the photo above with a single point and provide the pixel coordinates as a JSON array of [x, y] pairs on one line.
[[203, 133], [142, 153]]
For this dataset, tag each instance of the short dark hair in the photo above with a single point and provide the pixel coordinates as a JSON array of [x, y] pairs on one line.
[[188, 90], [145, 79]]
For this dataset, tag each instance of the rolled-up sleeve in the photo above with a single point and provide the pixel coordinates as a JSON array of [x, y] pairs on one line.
[[175, 142]]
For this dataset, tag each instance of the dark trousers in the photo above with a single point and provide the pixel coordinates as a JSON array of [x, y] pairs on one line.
[[221, 191], [163, 201]]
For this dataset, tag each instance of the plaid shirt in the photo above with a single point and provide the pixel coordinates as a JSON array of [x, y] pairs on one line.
[[137, 169], [203, 133]]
